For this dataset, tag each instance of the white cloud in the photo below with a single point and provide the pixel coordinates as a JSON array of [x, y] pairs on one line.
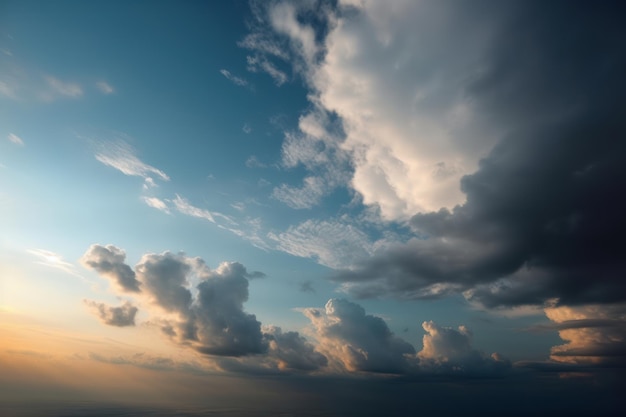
[[183, 206], [7, 90], [54, 260], [397, 86], [242, 82], [15, 139], [261, 64], [105, 87], [331, 243], [246, 128], [121, 156], [157, 203]]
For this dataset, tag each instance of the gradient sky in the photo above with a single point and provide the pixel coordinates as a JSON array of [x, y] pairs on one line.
[[285, 202]]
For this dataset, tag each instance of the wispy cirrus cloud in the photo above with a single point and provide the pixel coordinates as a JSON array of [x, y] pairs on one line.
[[241, 82], [13, 138], [61, 88], [54, 260], [105, 88], [121, 156]]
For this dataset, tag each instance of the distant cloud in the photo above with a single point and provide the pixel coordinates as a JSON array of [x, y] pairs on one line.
[[307, 286], [260, 64], [157, 203], [105, 87], [253, 162], [448, 350], [246, 128], [121, 316], [60, 88], [54, 260], [6, 51], [203, 309], [357, 341], [594, 334], [109, 261], [15, 139], [121, 156], [242, 82]]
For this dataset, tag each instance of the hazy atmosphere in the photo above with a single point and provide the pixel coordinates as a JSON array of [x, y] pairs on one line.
[[312, 208]]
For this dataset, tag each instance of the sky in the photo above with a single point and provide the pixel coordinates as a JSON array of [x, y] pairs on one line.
[[333, 208]]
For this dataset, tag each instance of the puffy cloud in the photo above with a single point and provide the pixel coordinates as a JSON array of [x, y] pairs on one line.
[[292, 351], [221, 325], [540, 218], [165, 278], [109, 261], [121, 316], [448, 350], [356, 341]]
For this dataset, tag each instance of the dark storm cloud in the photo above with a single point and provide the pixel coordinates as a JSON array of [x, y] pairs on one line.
[[121, 316], [109, 261], [544, 216], [293, 351]]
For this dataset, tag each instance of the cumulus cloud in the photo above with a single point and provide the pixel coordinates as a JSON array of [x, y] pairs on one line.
[[448, 350], [121, 316], [493, 139], [109, 261], [292, 351], [356, 341]]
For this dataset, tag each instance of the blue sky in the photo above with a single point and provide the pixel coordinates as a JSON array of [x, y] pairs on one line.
[[319, 189]]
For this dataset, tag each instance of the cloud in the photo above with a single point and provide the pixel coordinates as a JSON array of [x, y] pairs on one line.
[[121, 316], [60, 88], [54, 260], [448, 350], [332, 243], [157, 203], [246, 128], [104, 87], [183, 206], [292, 351], [537, 217], [594, 334], [356, 341], [121, 156], [242, 82], [13, 138], [109, 262]]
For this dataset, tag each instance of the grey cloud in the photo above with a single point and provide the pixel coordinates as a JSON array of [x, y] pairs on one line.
[[109, 261], [165, 278], [121, 316], [543, 218], [292, 351], [221, 325]]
